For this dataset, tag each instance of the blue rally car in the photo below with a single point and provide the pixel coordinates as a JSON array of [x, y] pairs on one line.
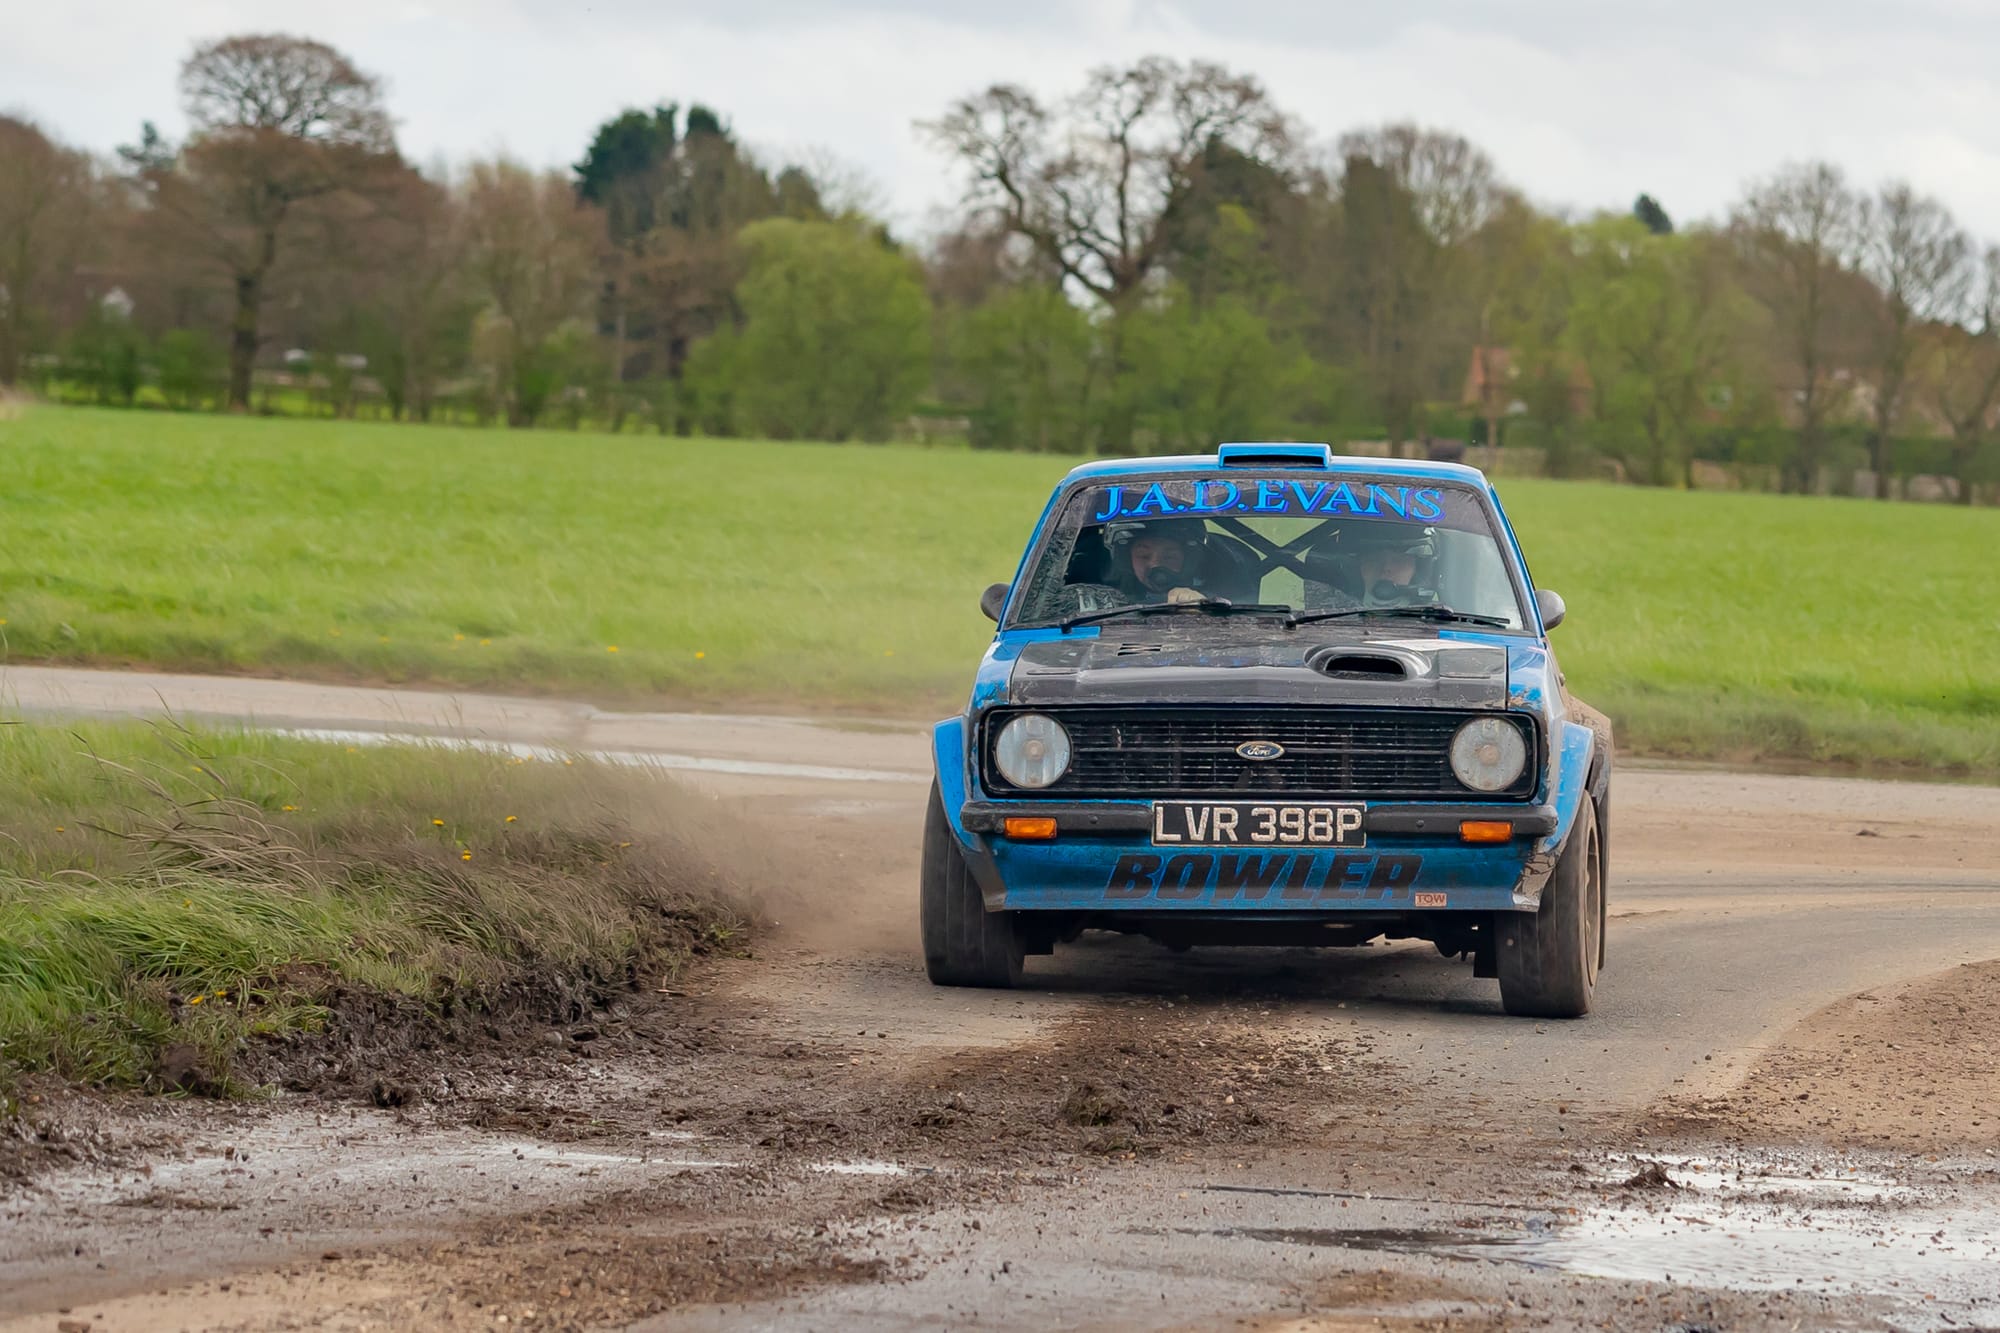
[[1273, 696]]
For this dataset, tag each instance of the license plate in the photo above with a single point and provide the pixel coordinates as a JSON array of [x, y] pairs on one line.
[[1252, 824]]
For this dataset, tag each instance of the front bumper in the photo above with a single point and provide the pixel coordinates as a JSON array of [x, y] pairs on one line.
[[1102, 860]]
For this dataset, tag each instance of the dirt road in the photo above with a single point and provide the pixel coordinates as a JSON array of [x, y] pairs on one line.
[[1783, 1113]]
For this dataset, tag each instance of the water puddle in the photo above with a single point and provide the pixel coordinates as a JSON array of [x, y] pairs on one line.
[[859, 1169], [1754, 1224]]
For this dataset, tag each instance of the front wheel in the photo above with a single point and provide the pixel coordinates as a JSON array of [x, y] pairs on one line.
[[964, 944], [1547, 959]]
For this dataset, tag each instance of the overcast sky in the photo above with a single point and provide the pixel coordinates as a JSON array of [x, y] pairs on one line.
[[1582, 103]]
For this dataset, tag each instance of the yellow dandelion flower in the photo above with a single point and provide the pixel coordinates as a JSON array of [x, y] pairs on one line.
[[624, 844], [510, 819], [465, 856], [222, 995], [437, 823], [484, 643], [458, 638], [59, 828], [354, 749], [288, 808], [195, 999], [611, 648], [699, 656], [187, 902], [2, 622]]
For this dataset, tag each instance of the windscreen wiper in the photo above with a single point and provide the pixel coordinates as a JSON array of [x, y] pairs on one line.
[[1438, 613], [1215, 606]]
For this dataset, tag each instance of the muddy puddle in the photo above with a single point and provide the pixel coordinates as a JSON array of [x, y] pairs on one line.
[[1930, 1250]]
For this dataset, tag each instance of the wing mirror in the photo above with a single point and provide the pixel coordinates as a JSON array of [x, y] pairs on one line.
[[1550, 604], [994, 600]]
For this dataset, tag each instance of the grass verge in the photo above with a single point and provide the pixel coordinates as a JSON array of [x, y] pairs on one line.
[[178, 908], [1709, 625]]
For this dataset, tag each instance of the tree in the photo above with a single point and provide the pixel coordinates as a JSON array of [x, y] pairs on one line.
[[1199, 374], [47, 214], [835, 341], [1412, 201], [277, 122], [674, 201], [622, 170], [1094, 185], [191, 368], [1797, 230], [531, 251], [418, 305], [106, 354], [1963, 371], [1653, 217], [1917, 255], [1655, 321], [1528, 272], [1029, 362]]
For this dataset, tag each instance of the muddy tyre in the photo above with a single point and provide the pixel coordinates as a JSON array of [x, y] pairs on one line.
[[964, 944], [1548, 959]]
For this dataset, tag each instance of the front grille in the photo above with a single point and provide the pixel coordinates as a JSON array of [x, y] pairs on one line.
[[1330, 753]]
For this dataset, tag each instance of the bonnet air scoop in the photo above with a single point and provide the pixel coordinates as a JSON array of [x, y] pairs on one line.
[[1362, 666]]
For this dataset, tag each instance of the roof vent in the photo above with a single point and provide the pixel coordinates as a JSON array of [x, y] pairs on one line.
[[1275, 455]]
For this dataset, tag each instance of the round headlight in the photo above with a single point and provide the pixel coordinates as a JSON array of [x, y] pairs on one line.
[[1488, 754], [1032, 751]]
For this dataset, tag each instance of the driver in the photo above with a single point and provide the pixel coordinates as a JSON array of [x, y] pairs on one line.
[[1381, 564], [1166, 559]]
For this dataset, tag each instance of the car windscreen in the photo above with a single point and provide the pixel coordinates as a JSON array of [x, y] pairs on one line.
[[1307, 545]]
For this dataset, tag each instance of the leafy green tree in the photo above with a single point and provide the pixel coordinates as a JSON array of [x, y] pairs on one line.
[[835, 342], [707, 400], [1653, 217], [1200, 375], [1031, 367], [106, 355], [192, 366], [1655, 320]]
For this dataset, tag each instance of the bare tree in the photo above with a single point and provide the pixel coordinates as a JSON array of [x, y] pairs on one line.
[[278, 122], [1964, 370], [531, 249], [46, 205], [1797, 228], [1917, 255], [1451, 182], [1093, 184], [291, 86]]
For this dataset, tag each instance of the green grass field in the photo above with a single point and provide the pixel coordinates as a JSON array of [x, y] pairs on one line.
[[722, 572]]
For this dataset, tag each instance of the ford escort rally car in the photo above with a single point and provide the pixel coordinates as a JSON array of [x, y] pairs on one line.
[[1273, 696]]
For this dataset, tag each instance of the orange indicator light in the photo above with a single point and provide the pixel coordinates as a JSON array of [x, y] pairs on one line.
[[1486, 830], [1030, 828]]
